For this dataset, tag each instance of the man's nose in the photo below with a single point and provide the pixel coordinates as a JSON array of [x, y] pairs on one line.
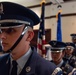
[[2, 35]]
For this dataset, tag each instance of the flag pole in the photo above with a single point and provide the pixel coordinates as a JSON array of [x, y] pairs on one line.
[[59, 28], [41, 33], [43, 1], [44, 50]]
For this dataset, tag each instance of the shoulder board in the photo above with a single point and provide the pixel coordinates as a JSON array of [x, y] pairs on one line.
[[56, 71]]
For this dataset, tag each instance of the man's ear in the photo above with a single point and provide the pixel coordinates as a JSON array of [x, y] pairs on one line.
[[30, 35], [63, 53]]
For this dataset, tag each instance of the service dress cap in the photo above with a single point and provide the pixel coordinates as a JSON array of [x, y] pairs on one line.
[[70, 45], [13, 14], [57, 46]]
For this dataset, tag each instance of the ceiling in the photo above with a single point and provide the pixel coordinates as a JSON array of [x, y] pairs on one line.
[[35, 2]]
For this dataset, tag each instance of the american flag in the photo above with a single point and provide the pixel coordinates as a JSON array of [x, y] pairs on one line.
[[41, 35], [59, 30]]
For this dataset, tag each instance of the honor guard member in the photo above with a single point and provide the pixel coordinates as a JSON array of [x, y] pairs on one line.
[[71, 59], [73, 37], [57, 54], [69, 50], [16, 33]]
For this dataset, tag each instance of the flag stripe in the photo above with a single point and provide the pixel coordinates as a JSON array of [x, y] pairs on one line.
[[41, 35]]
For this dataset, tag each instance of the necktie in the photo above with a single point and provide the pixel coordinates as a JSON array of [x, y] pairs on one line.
[[14, 68]]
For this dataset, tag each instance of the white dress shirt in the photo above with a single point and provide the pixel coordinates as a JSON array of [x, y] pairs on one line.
[[22, 61]]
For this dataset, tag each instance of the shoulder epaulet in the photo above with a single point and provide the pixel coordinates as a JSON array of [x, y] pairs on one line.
[[57, 71]]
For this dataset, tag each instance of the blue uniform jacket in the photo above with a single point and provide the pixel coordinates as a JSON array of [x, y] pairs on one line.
[[36, 65]]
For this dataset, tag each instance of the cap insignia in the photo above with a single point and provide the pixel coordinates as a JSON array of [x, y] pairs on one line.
[[54, 43]]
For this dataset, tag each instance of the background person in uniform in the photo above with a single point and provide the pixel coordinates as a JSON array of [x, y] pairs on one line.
[[73, 38], [69, 50], [71, 59], [16, 33], [57, 54]]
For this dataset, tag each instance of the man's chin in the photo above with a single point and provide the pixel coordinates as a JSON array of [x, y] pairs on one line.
[[5, 50]]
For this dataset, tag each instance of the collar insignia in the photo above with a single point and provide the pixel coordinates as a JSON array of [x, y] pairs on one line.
[[28, 69]]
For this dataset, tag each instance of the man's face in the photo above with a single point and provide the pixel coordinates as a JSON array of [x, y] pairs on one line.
[[69, 50], [56, 56], [74, 40], [9, 36]]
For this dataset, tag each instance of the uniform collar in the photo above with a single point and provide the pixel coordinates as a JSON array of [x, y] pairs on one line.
[[60, 64], [22, 60]]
